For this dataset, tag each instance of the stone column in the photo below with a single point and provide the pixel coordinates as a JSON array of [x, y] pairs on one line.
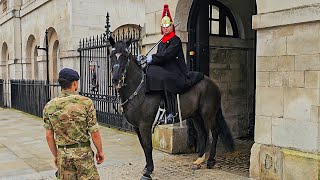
[[287, 91]]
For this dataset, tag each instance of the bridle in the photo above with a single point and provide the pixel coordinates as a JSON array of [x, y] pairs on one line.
[[123, 77], [124, 73]]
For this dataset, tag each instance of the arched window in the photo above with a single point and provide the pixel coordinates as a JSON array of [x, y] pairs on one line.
[[54, 59], [221, 21], [34, 60]]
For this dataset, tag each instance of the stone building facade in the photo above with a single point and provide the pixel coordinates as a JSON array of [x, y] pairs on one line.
[[287, 90], [263, 54], [23, 24]]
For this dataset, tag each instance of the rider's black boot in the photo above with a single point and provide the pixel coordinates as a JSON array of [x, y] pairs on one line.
[[170, 107]]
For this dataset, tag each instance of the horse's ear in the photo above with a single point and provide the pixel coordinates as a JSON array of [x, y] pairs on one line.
[[128, 43], [111, 40]]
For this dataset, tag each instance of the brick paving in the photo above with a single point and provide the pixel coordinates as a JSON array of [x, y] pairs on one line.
[[24, 155]]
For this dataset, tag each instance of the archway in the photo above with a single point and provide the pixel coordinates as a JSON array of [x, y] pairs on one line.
[[54, 59], [221, 44], [5, 73], [31, 59], [4, 61], [35, 66], [128, 31]]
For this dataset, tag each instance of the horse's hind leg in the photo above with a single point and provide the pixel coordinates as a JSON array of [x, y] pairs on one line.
[[211, 160], [202, 139]]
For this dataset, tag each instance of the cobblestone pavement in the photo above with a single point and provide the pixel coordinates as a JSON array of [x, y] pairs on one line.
[[229, 166], [24, 155]]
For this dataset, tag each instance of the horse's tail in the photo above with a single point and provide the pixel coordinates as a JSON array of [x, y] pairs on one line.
[[224, 132]]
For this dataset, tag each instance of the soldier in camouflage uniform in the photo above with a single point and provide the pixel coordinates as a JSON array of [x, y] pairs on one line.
[[72, 118]]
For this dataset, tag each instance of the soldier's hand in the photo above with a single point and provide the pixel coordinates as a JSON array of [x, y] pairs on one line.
[[99, 157], [142, 61]]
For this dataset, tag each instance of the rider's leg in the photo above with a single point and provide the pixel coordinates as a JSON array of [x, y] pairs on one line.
[[170, 107]]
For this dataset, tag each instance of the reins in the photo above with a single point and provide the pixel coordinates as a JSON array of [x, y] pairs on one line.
[[135, 93]]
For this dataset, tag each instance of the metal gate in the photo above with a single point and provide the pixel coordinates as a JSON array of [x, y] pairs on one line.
[[31, 96], [95, 72]]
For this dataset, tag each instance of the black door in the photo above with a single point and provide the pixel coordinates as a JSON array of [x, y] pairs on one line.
[[198, 46]]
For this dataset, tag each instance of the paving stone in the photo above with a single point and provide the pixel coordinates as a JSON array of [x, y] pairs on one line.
[[24, 154]]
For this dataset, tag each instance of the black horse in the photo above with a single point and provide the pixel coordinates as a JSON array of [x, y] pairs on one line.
[[202, 103]]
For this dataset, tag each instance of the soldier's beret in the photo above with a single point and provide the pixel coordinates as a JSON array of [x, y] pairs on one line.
[[69, 74]]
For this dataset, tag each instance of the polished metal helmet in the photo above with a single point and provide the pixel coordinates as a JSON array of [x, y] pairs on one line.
[[166, 20]]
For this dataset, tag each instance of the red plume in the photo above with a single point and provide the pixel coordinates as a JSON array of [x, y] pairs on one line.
[[166, 11]]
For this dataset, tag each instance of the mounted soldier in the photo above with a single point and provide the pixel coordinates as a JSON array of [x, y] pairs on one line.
[[200, 103], [167, 71]]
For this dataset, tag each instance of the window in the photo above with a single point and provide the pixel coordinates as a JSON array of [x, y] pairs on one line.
[[221, 21]]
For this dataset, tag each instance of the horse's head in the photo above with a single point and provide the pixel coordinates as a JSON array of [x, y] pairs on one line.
[[120, 58]]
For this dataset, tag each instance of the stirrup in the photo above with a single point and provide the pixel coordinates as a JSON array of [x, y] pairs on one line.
[[160, 116], [170, 118]]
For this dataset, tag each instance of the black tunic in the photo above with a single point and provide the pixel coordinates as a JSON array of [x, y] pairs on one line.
[[168, 70]]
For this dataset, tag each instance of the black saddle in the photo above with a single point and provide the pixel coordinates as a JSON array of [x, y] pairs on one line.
[[194, 77]]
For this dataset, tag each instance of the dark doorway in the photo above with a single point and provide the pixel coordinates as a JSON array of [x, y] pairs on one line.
[[222, 46], [198, 37]]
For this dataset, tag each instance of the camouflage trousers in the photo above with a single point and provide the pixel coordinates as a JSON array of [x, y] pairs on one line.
[[76, 163]]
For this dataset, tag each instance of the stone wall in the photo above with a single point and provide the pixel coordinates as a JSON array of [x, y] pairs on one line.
[[153, 15], [287, 92], [231, 66], [9, 37], [35, 19], [89, 17], [31, 19], [24, 23], [229, 69]]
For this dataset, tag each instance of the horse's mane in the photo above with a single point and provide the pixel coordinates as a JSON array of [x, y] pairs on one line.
[[120, 47]]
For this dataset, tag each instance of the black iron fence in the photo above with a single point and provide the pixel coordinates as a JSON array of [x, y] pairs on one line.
[[1, 93], [31, 96], [95, 73]]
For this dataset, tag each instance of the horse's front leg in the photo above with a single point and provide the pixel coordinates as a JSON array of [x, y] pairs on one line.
[[145, 138]]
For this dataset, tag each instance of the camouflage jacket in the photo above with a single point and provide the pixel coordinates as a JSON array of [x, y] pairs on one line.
[[71, 117]]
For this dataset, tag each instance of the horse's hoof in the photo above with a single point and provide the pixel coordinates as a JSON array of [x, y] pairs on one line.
[[146, 177], [195, 166], [146, 171], [210, 164]]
